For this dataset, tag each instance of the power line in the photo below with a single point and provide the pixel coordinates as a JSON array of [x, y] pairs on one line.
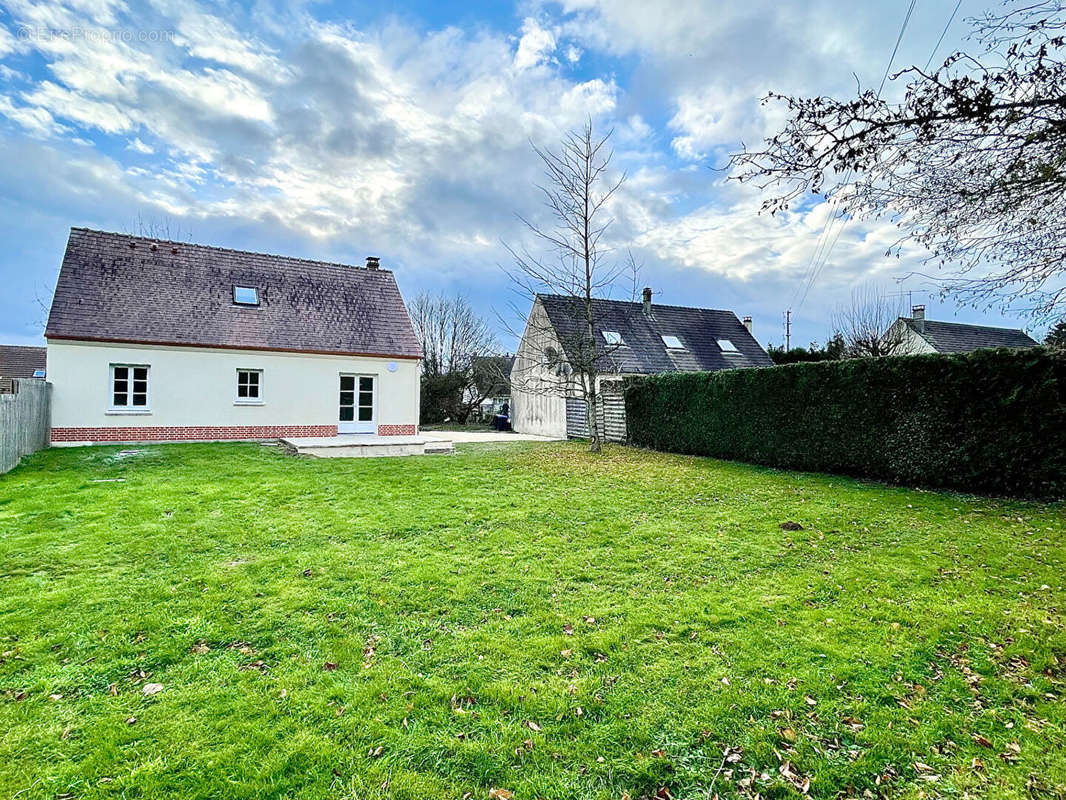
[[943, 33], [844, 220]]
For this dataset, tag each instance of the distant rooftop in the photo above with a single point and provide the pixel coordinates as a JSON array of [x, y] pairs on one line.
[[17, 361], [960, 337]]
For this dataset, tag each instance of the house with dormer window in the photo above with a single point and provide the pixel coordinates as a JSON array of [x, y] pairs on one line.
[[630, 339], [152, 340]]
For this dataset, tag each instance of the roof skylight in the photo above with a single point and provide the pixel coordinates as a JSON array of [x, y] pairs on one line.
[[612, 337], [246, 295], [727, 346], [673, 342]]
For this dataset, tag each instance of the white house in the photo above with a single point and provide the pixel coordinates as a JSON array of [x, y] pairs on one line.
[[917, 335], [630, 339], [152, 340]]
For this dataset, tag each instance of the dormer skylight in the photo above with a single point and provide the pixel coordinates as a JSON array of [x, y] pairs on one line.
[[727, 346], [612, 337], [673, 343], [245, 295]]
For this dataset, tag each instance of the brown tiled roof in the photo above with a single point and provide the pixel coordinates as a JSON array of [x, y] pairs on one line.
[[122, 288], [20, 362]]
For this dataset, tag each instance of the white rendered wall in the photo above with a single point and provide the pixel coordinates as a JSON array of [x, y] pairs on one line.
[[197, 386]]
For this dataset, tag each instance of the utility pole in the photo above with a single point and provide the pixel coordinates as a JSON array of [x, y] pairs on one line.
[[788, 329]]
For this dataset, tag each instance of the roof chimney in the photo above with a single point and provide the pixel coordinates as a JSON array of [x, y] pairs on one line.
[[747, 323], [647, 299], [373, 262], [917, 312]]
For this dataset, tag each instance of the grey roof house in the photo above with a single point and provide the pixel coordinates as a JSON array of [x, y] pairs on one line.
[[920, 335], [631, 338]]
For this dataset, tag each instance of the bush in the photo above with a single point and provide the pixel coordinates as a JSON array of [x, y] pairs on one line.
[[991, 421], [441, 397]]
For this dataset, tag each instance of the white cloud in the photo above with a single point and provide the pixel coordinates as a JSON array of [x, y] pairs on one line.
[[417, 142], [535, 47], [37, 121], [138, 146]]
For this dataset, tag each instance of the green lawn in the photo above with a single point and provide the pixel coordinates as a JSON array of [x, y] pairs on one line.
[[525, 618]]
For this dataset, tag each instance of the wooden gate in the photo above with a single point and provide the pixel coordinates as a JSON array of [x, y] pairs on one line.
[[611, 414]]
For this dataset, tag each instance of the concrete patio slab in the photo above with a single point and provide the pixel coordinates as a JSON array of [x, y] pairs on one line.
[[361, 445]]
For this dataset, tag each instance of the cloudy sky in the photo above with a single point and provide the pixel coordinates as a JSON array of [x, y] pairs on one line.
[[403, 130]]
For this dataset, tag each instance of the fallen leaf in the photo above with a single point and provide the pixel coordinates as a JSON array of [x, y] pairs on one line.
[[981, 740], [658, 753], [532, 725], [131, 720], [500, 794], [568, 629], [810, 700], [151, 688], [375, 752], [791, 526], [329, 666], [566, 653]]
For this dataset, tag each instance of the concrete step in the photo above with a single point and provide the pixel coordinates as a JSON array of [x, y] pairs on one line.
[[439, 448]]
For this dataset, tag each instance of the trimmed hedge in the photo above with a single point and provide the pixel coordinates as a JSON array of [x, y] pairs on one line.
[[992, 421]]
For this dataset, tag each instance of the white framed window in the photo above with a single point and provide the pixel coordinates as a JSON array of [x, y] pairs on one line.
[[612, 337], [245, 295], [249, 386], [129, 387], [673, 343], [727, 346]]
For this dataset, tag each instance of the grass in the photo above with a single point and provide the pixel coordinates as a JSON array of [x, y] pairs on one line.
[[525, 618]]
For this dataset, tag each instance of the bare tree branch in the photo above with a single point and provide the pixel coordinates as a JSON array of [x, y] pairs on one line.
[[971, 165], [579, 184]]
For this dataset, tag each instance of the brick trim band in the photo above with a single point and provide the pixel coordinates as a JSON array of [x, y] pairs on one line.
[[397, 430], [185, 433]]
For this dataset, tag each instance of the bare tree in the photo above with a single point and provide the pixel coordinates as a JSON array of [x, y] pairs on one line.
[[869, 324], [969, 164], [578, 184], [165, 228], [453, 338]]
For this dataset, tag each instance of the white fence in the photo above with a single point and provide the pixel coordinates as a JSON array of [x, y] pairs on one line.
[[25, 421]]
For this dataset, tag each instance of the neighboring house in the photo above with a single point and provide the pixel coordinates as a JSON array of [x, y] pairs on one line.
[[17, 361], [917, 334], [152, 340], [634, 338], [492, 382]]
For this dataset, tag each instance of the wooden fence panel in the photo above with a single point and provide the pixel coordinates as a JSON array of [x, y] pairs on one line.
[[25, 421], [611, 414]]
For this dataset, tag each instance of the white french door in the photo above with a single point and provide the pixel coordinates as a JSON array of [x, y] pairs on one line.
[[358, 404]]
